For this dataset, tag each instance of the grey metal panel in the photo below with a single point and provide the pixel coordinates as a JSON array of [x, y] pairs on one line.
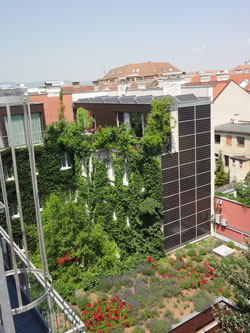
[[111, 100], [186, 98], [127, 100], [11, 92], [144, 99]]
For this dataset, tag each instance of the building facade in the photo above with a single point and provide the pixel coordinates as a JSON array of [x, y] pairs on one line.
[[232, 141], [186, 166]]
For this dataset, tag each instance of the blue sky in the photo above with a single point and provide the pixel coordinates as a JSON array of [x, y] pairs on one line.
[[74, 40]]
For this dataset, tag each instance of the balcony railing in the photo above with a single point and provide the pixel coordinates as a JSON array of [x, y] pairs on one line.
[[32, 285]]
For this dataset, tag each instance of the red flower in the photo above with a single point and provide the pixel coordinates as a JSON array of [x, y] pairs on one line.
[[163, 275], [127, 324], [149, 259]]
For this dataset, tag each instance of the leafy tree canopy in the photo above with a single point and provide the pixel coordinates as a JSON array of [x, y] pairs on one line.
[[221, 177]]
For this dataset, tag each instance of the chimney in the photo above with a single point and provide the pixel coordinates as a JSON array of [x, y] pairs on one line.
[[172, 86], [235, 119], [76, 84]]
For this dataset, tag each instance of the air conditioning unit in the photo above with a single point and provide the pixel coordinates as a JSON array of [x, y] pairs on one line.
[[224, 222], [217, 218]]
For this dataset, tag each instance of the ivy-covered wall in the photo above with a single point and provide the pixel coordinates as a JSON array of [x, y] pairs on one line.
[[131, 215]]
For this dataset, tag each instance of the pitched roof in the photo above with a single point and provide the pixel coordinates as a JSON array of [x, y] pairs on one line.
[[218, 86], [238, 128], [141, 69]]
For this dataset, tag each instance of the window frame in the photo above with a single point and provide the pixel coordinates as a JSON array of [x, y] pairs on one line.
[[216, 136], [226, 160], [239, 138], [67, 159]]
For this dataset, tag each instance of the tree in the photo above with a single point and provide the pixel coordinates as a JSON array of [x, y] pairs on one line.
[[239, 277], [158, 129], [83, 118], [70, 236], [221, 177], [62, 106]]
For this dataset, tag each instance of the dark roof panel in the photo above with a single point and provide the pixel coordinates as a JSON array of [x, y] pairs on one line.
[[186, 98]]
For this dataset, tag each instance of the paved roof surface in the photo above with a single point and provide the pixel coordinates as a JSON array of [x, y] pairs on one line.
[[241, 128]]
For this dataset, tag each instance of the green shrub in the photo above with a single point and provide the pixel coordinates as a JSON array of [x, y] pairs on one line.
[[189, 263], [226, 293], [202, 252], [155, 279], [82, 301], [218, 242], [191, 253], [199, 258], [202, 301], [186, 284], [117, 283], [230, 244], [178, 264], [158, 326], [176, 321], [169, 314], [147, 271], [138, 329], [199, 268]]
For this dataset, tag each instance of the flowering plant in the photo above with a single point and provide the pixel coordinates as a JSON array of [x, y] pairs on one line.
[[104, 315]]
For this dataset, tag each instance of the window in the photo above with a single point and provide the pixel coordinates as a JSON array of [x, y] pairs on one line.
[[241, 164], [18, 128], [217, 138], [226, 160], [134, 119], [240, 141], [229, 140], [13, 211], [233, 160], [216, 156], [8, 176], [153, 69], [65, 161]]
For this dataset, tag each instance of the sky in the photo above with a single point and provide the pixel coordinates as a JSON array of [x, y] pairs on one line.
[[80, 39]]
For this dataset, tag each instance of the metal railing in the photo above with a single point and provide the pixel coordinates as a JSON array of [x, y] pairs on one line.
[[32, 285]]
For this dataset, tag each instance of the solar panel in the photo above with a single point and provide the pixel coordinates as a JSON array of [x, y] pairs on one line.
[[144, 99], [186, 98], [127, 100], [111, 100]]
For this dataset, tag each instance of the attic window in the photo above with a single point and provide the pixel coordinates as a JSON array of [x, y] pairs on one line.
[[137, 70], [153, 69], [163, 69], [170, 70], [244, 83], [133, 70]]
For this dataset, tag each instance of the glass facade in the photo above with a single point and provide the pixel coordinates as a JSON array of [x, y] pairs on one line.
[[186, 179]]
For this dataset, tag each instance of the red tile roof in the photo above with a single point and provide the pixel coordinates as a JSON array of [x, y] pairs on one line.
[[141, 69]]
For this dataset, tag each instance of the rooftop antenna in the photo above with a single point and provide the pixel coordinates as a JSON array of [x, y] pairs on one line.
[[104, 70]]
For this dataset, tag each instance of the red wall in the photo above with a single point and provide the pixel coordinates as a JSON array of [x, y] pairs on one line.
[[51, 106], [238, 217]]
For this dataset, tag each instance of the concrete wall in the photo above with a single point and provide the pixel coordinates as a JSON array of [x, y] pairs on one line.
[[238, 219], [52, 105], [232, 100]]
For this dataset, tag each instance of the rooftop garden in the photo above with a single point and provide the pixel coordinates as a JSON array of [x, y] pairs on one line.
[[158, 294]]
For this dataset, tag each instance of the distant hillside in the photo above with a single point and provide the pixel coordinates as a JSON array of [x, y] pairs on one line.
[[39, 83]]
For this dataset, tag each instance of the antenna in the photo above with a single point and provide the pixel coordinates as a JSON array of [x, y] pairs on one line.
[[104, 70]]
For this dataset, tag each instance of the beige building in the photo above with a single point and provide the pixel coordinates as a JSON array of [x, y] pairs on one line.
[[232, 140]]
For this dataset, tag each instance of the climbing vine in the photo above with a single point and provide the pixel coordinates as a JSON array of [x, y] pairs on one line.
[[125, 205]]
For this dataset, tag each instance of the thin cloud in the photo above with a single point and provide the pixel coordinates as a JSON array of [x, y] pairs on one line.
[[248, 41], [202, 48]]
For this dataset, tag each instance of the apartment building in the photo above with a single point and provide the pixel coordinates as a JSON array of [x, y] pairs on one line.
[[232, 140], [186, 175]]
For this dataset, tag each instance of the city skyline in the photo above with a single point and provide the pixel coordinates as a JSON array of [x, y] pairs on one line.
[[80, 41]]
